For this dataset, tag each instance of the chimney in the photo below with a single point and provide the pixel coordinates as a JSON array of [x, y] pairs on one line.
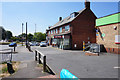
[[60, 18], [87, 4], [49, 27]]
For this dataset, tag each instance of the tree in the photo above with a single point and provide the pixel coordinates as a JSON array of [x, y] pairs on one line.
[[39, 36], [8, 34], [2, 33], [30, 37], [14, 38], [22, 36]]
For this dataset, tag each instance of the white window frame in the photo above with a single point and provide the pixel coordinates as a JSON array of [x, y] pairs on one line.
[[66, 28], [60, 29], [49, 32], [56, 30]]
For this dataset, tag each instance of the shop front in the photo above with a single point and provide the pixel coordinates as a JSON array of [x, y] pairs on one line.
[[62, 41]]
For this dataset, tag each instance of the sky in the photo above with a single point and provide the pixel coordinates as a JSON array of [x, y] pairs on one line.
[[45, 14]]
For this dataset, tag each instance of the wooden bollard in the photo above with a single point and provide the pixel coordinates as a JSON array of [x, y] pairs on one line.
[[39, 61], [35, 55], [44, 63]]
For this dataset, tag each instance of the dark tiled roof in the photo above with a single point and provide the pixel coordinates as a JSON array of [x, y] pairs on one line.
[[66, 20]]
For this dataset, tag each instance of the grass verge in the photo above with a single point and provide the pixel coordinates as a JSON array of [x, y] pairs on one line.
[[4, 70]]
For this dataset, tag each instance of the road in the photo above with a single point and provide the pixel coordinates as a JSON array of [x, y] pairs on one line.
[[81, 65]]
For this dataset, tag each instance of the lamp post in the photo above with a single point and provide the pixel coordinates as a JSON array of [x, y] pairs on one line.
[[26, 36], [22, 34]]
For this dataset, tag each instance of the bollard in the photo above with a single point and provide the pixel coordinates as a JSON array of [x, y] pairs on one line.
[[83, 46], [10, 68], [39, 61], [11, 55], [35, 55], [14, 48], [44, 63]]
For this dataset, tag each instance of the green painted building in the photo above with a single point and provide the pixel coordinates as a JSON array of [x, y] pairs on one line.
[[109, 32], [110, 19]]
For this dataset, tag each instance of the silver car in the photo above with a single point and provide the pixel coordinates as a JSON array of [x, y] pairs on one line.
[[43, 44]]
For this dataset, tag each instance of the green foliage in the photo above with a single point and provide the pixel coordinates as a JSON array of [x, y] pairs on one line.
[[14, 38], [22, 35], [8, 34], [30, 37], [5, 34], [4, 70], [2, 33], [39, 36]]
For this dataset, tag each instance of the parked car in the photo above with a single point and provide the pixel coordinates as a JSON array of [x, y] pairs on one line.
[[34, 44], [43, 44]]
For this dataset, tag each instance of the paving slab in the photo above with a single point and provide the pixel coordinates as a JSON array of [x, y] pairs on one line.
[[28, 68]]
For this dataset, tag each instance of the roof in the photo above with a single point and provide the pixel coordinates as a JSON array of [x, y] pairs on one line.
[[110, 19], [66, 20]]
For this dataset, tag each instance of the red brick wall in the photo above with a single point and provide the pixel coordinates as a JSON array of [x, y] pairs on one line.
[[113, 50], [82, 28]]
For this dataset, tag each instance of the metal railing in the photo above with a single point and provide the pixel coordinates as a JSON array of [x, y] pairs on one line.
[[41, 58], [6, 54]]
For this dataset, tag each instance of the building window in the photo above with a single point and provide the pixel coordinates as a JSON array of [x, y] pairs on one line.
[[49, 32], [61, 30], [67, 28], [56, 31], [72, 15], [53, 31]]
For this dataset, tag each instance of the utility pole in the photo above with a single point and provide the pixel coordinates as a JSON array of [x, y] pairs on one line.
[[22, 34], [26, 36]]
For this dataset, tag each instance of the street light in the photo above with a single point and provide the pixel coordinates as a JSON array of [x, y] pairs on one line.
[[26, 36], [22, 34]]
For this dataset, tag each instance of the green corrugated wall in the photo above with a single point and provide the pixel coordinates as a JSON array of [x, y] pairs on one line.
[[115, 18]]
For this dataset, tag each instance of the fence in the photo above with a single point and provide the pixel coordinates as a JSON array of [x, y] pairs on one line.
[[6, 55], [41, 58]]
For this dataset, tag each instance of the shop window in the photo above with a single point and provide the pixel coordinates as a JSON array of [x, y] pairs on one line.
[[61, 30], [54, 41], [67, 28], [66, 41]]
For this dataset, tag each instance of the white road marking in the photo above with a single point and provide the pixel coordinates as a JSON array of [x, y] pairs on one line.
[[116, 67]]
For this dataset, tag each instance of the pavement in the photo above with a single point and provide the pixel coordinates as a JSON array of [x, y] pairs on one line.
[[28, 66], [79, 64]]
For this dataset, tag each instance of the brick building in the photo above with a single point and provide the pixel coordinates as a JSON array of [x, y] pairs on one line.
[[107, 34], [70, 32]]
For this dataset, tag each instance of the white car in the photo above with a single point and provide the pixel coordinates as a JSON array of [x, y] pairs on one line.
[[34, 44], [43, 44]]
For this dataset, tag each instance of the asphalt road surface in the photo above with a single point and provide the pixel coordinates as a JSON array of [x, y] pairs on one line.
[[79, 64]]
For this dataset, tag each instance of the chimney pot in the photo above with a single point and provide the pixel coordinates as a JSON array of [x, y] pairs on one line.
[[60, 18]]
